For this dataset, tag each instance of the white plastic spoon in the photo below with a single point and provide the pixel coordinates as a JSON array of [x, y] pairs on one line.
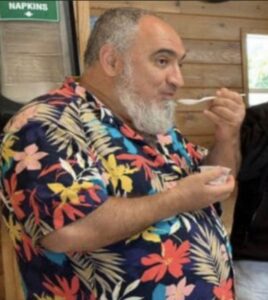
[[197, 101]]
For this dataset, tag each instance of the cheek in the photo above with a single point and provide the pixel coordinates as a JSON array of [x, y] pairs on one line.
[[151, 81], [149, 88], [148, 82], [156, 80]]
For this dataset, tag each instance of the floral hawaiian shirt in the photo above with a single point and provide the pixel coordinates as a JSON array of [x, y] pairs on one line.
[[62, 156]]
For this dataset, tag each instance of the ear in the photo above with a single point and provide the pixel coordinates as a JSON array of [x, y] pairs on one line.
[[110, 60]]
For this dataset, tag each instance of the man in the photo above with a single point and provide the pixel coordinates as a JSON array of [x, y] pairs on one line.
[[98, 199]]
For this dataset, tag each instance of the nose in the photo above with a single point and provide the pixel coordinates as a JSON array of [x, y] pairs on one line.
[[175, 77]]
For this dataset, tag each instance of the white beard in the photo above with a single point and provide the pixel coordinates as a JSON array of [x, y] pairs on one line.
[[147, 115]]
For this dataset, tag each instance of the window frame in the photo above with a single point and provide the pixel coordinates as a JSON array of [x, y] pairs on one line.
[[244, 33]]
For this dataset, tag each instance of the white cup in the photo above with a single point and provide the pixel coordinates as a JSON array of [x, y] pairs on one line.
[[219, 180]]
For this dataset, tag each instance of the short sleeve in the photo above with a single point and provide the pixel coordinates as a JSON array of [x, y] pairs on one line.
[[48, 183]]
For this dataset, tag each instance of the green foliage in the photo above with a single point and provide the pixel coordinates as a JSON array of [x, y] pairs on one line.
[[257, 61]]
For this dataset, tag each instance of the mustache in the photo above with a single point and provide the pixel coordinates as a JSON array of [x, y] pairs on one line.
[[172, 88]]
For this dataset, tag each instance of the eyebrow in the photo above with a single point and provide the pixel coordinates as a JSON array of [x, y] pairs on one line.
[[170, 53]]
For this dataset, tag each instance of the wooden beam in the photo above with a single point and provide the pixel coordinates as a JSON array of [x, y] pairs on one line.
[[82, 13], [12, 283], [157, 6]]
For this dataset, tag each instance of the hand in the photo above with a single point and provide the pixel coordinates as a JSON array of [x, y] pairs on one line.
[[195, 192], [227, 112]]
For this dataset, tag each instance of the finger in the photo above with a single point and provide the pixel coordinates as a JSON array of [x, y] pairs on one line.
[[231, 95], [216, 119], [227, 103], [223, 114], [229, 99], [218, 115]]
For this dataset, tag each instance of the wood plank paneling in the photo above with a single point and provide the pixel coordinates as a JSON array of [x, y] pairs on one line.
[[212, 76], [236, 9], [18, 37], [212, 28], [227, 215], [239, 9], [162, 6], [212, 52], [207, 27], [33, 68]]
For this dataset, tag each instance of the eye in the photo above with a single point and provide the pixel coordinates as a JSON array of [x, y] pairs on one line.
[[162, 62], [180, 65]]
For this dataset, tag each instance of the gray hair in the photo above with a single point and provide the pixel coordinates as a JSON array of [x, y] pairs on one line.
[[117, 27]]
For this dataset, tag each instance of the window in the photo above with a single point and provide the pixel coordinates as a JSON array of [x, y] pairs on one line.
[[255, 62]]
